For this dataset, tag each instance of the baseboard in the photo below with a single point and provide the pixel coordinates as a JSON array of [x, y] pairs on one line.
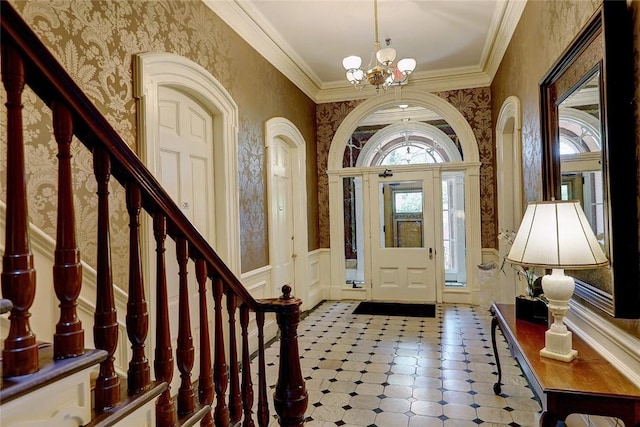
[[617, 346]]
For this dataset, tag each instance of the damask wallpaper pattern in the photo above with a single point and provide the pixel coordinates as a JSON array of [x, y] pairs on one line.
[[95, 41], [475, 106]]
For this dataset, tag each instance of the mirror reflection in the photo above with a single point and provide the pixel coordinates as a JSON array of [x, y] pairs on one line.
[[580, 143]]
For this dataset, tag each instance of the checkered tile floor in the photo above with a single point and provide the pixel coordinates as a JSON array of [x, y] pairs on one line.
[[394, 371]]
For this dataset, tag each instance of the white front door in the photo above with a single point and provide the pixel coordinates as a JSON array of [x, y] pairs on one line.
[[283, 261], [185, 170], [402, 237]]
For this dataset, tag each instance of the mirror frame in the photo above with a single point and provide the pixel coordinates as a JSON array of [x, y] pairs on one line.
[[593, 50]]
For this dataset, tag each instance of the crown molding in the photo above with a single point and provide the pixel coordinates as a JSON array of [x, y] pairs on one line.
[[243, 19], [507, 25], [452, 79]]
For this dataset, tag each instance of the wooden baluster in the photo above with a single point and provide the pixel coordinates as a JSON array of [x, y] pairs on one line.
[[105, 328], [205, 382], [68, 340], [247, 384], [221, 413], [20, 353], [290, 398], [263, 405], [185, 350], [138, 374], [163, 361], [235, 400]]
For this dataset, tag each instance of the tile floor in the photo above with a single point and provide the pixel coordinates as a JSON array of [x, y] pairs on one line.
[[395, 371]]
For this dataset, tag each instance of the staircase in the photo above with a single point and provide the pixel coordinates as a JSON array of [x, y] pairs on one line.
[[58, 379]]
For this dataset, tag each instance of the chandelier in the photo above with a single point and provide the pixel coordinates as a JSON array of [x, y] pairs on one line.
[[381, 71]]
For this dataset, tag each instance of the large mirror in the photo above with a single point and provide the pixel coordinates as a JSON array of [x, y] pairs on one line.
[[589, 152]]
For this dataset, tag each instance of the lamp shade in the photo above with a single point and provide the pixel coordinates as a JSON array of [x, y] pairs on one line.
[[406, 65], [556, 235], [351, 62], [386, 56]]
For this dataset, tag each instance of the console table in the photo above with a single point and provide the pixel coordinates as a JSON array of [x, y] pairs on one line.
[[587, 385]]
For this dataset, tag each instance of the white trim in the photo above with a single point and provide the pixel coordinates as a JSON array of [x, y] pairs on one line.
[[258, 283], [279, 127], [509, 176], [512, 12], [243, 19], [154, 69], [427, 100], [620, 348], [470, 166]]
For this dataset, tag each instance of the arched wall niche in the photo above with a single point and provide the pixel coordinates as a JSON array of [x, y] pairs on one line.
[[509, 186]]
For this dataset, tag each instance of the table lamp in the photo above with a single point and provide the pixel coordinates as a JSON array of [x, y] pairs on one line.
[[556, 235]]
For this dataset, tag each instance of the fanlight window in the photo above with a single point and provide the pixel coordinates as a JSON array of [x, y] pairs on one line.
[[411, 153], [400, 144]]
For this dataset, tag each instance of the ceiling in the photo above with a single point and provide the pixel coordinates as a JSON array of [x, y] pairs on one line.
[[456, 43]]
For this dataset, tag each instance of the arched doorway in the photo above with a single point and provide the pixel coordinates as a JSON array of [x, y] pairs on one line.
[[287, 205], [171, 89], [469, 170]]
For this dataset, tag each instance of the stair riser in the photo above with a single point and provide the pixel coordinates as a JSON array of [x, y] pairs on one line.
[[66, 402]]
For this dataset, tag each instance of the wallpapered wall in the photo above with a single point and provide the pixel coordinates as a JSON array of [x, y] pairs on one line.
[[473, 104], [545, 29], [95, 41]]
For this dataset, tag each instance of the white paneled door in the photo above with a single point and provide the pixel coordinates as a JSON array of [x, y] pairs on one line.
[[402, 237], [186, 151], [283, 258]]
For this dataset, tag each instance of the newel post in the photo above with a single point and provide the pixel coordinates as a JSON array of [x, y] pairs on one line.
[[291, 398]]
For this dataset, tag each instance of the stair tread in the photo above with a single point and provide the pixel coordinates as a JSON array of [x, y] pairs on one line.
[[50, 370], [127, 405], [131, 402]]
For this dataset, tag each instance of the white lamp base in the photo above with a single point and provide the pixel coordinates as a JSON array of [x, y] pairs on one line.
[[558, 289], [558, 346]]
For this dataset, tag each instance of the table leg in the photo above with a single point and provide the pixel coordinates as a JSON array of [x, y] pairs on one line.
[[547, 419], [497, 386]]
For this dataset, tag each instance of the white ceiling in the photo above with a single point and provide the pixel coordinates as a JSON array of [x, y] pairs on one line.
[[456, 43]]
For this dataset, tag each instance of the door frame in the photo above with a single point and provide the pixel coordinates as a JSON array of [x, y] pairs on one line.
[[470, 166], [279, 127], [154, 69]]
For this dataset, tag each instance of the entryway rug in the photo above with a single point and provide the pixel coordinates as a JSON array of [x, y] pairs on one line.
[[396, 309]]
